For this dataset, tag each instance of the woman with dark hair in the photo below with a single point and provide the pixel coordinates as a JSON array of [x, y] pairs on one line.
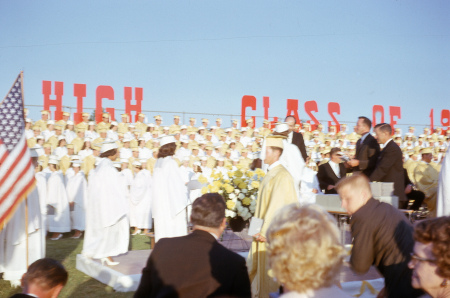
[[107, 228], [170, 196], [430, 259]]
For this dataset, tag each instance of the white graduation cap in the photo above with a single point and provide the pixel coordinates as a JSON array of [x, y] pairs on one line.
[[166, 140], [281, 127], [53, 160], [108, 145], [76, 164]]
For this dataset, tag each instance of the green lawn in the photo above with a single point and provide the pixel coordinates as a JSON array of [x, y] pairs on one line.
[[79, 284]]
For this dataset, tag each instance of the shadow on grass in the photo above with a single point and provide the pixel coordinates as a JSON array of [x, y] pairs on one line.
[[79, 284]]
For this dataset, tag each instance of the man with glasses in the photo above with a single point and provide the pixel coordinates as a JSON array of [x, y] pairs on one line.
[[382, 236]]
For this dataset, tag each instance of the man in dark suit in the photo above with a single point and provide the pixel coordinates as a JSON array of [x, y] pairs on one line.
[[196, 265], [389, 166], [44, 278], [367, 149], [331, 172], [296, 138]]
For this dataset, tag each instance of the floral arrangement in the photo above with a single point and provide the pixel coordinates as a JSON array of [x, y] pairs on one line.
[[238, 188]]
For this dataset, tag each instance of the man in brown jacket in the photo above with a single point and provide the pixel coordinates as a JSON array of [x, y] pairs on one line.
[[382, 236]]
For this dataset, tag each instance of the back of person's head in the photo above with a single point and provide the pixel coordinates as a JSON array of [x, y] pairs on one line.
[[208, 210], [45, 278], [384, 127], [304, 248]]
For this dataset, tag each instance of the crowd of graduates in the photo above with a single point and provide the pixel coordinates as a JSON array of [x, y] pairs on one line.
[[208, 146]]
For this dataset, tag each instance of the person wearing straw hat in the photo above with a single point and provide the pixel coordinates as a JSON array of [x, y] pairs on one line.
[[426, 178], [77, 195], [13, 238], [105, 123], [277, 190], [141, 200], [42, 123], [176, 124], [170, 197], [140, 125], [123, 126], [58, 210], [107, 227]]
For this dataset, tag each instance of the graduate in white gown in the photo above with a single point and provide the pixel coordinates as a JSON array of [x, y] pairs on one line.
[[107, 227], [443, 194], [141, 200], [309, 185], [58, 214], [13, 260], [170, 196], [77, 195], [41, 185]]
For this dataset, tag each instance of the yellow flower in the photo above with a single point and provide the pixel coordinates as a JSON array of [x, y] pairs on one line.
[[204, 190], [255, 184], [230, 174], [217, 183], [250, 174], [239, 166], [226, 181], [236, 181], [202, 179], [260, 172], [228, 188], [228, 167], [238, 174], [242, 185], [231, 204], [246, 201]]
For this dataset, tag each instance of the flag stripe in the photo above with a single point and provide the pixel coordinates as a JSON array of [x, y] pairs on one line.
[[17, 201], [15, 182], [13, 166]]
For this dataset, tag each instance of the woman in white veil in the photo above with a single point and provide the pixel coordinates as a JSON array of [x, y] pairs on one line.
[[291, 157]]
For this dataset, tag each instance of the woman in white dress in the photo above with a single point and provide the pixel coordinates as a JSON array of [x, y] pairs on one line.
[[58, 213], [86, 149], [141, 200], [107, 227], [170, 196], [61, 150], [77, 195]]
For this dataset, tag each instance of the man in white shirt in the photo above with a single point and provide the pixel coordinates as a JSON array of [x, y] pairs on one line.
[[331, 172]]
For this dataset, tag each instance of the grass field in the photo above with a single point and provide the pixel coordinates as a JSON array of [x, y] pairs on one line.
[[79, 284]]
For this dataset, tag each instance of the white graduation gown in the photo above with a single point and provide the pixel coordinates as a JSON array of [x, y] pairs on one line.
[[443, 194], [59, 222], [141, 200], [170, 199], [308, 182], [13, 261], [107, 227], [41, 185], [77, 193]]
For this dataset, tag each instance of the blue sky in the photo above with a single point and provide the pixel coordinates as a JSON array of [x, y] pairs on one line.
[[203, 56]]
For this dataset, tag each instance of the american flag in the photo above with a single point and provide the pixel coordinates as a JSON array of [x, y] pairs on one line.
[[16, 168]]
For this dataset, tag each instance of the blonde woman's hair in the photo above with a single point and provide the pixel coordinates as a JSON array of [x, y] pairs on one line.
[[304, 248]]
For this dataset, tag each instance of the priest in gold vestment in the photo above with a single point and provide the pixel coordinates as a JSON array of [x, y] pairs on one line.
[[426, 178], [277, 190]]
